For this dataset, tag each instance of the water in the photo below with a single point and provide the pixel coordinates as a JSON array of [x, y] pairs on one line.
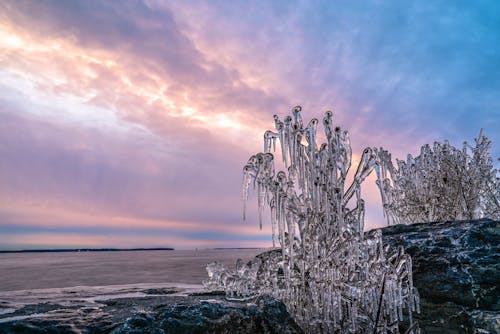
[[72, 286], [28, 271]]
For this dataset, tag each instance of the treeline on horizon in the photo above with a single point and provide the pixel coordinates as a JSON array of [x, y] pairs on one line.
[[84, 250]]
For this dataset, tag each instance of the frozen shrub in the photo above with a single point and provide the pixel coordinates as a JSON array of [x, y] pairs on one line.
[[442, 183], [331, 278]]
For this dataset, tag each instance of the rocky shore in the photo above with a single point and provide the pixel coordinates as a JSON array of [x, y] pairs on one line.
[[164, 311], [456, 268]]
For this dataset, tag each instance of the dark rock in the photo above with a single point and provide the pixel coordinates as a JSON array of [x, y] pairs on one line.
[[42, 327], [267, 315], [456, 268], [138, 324], [160, 291], [209, 293], [160, 314]]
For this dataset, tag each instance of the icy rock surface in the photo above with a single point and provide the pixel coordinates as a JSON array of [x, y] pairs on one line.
[[160, 314], [442, 183], [456, 268], [266, 315], [330, 277]]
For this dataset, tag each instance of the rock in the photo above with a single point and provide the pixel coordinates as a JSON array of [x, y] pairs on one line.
[[160, 291], [266, 315], [162, 314], [456, 269], [138, 324]]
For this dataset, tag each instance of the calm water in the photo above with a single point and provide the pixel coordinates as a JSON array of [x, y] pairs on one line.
[[25, 271]]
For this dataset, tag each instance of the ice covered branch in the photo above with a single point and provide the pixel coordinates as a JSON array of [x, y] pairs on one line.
[[328, 274], [442, 183]]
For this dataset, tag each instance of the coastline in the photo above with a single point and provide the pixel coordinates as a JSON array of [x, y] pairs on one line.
[[71, 250]]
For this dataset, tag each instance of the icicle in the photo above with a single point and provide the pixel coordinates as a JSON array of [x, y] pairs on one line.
[[248, 173], [270, 140], [297, 117], [365, 167]]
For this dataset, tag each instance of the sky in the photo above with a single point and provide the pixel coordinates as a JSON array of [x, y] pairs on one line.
[[127, 123]]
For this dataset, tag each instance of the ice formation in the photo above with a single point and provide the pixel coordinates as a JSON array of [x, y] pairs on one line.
[[329, 275], [442, 183]]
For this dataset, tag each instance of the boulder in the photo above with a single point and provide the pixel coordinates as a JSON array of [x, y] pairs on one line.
[[456, 269], [264, 315], [159, 315]]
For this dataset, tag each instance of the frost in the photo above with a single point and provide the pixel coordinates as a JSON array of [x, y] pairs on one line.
[[442, 183], [329, 275]]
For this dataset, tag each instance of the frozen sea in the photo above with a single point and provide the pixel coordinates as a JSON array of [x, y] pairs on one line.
[[84, 278], [26, 271]]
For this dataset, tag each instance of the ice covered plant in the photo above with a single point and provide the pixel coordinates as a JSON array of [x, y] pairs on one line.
[[330, 276], [442, 183]]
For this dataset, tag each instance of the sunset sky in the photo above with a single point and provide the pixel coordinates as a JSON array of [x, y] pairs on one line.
[[127, 123]]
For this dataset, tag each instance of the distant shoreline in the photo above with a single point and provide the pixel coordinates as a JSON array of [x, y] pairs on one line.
[[72, 250], [84, 250]]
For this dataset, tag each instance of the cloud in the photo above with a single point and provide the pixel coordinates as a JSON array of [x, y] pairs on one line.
[[151, 48], [148, 110], [132, 173], [397, 75]]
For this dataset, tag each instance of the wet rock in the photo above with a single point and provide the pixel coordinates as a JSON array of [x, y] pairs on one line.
[[456, 268], [138, 324], [266, 315], [160, 291], [36, 327], [161, 314]]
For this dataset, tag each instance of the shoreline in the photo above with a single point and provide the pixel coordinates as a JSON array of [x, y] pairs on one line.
[[76, 250]]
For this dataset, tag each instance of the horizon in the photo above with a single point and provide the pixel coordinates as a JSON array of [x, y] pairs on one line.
[[127, 124], [69, 250]]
